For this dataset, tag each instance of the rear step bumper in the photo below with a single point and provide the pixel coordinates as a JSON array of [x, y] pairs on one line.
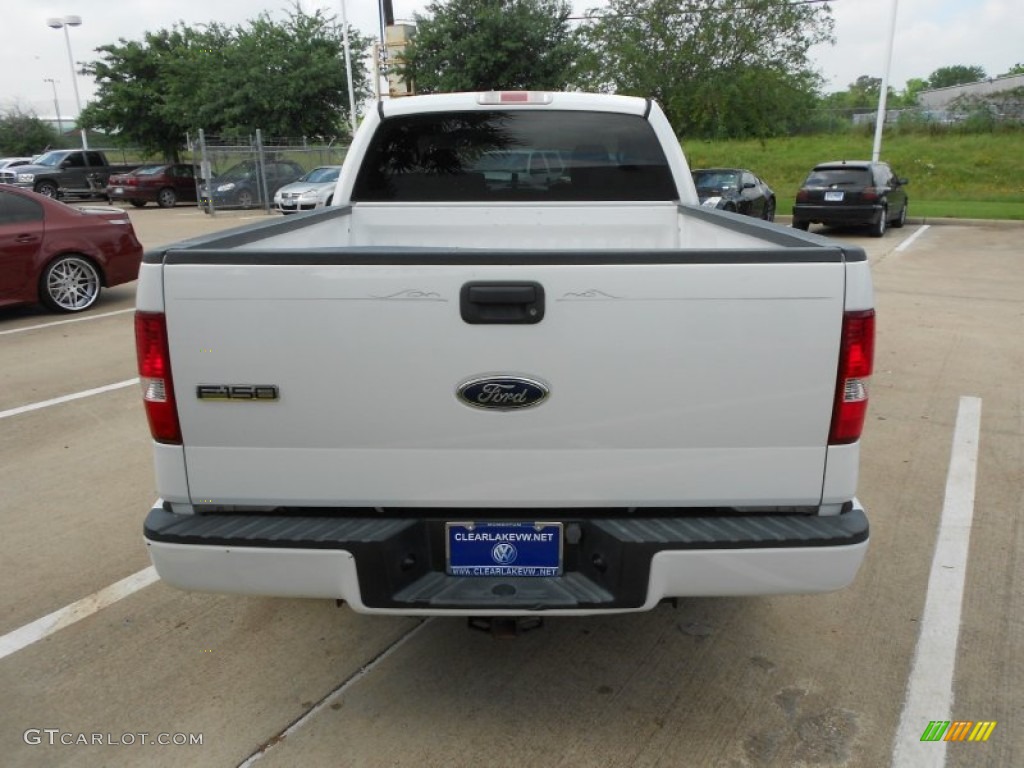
[[382, 565]]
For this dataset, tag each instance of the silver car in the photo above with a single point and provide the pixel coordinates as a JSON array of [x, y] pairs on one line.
[[314, 190]]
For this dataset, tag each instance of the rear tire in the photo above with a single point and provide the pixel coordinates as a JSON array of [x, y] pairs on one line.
[[879, 227], [901, 219], [769, 211], [245, 199], [70, 283], [799, 224], [166, 198]]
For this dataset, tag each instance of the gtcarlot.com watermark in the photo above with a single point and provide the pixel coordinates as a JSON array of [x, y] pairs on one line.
[[58, 737]]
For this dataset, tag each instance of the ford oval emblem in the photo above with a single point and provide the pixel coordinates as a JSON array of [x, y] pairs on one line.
[[502, 393]]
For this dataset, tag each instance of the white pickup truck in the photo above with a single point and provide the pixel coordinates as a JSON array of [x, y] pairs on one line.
[[440, 397]]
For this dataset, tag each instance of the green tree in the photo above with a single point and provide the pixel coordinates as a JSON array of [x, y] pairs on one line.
[[733, 68], [860, 94], [286, 78], [958, 74], [475, 45], [908, 97], [24, 134], [1016, 69], [138, 87]]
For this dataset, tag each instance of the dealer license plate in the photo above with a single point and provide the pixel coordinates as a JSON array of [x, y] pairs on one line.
[[504, 549], [118, 190], [834, 197]]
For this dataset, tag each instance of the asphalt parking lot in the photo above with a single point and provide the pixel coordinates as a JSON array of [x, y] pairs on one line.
[[728, 683]]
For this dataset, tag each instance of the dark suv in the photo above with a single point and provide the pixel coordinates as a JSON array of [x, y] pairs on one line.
[[849, 193]]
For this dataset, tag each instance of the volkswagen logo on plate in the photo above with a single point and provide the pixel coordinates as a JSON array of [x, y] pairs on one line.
[[502, 393], [504, 553]]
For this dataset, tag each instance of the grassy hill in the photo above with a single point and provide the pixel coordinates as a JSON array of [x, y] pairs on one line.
[[957, 175]]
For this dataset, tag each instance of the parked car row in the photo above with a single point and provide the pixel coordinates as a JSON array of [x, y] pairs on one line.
[[838, 193], [238, 187], [168, 184]]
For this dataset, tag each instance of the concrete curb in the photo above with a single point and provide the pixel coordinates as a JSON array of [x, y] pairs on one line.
[[1008, 223]]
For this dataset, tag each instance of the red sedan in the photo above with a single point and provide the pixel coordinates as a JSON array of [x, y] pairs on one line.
[[62, 255], [164, 185]]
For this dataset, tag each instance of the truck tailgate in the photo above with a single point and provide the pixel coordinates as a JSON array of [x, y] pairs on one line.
[[676, 378]]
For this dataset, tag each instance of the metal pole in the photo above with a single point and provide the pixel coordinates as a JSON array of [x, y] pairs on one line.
[[261, 161], [74, 82], [348, 69], [56, 104], [880, 118], [207, 175], [376, 71]]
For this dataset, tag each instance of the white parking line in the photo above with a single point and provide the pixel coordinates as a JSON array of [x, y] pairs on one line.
[[23, 637], [64, 322], [909, 241], [67, 398], [929, 693]]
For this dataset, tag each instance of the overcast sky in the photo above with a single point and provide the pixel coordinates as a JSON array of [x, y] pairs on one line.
[[929, 34]]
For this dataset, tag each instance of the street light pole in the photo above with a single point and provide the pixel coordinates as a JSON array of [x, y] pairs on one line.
[[64, 23], [56, 104], [880, 119], [348, 68]]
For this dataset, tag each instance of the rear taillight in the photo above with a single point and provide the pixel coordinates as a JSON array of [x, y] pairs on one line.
[[856, 359], [155, 375], [869, 193], [803, 196]]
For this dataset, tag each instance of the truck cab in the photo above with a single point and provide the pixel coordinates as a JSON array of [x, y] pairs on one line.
[[64, 172]]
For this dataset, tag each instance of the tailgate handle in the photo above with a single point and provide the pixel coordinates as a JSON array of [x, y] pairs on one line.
[[508, 303]]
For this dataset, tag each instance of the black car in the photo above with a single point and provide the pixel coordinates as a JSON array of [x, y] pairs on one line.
[[852, 193], [239, 186], [735, 189]]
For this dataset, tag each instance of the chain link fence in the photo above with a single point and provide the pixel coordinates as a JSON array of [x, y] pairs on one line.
[[234, 174]]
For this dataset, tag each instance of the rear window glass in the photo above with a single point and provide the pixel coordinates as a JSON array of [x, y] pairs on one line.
[[716, 179], [523, 155], [15, 209], [321, 175], [839, 177]]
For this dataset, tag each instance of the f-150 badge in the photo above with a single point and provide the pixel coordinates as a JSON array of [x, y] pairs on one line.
[[262, 393], [502, 393]]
